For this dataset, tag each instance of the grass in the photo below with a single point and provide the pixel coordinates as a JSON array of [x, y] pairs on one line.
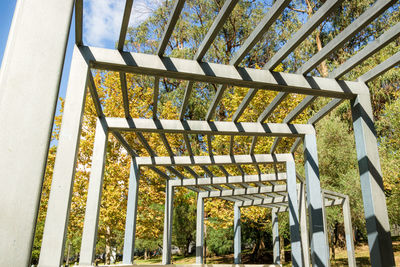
[[362, 257]]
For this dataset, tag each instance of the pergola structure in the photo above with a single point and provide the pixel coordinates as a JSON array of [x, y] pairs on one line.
[[40, 46], [276, 197]]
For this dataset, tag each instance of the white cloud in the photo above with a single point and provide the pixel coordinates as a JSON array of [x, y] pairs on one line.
[[103, 18]]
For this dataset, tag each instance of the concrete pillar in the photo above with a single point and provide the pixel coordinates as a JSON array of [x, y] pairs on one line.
[[200, 230], [348, 229], [89, 235], [375, 210], [30, 75], [52, 250], [237, 238], [295, 242], [326, 230], [275, 238], [314, 202], [303, 226], [168, 220], [131, 214]]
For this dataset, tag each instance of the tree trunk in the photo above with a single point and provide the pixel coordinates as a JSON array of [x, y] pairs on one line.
[[282, 248], [69, 249], [108, 247], [205, 240], [323, 68]]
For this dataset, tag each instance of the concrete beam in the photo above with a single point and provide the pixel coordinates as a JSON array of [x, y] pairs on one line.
[[192, 70], [377, 221], [30, 75], [237, 236], [298, 37], [314, 202], [131, 214], [294, 223], [55, 228], [213, 160], [229, 180], [362, 21], [200, 230], [90, 225], [125, 23], [381, 68], [275, 238], [173, 19], [243, 191], [348, 228], [204, 127], [168, 219], [366, 52]]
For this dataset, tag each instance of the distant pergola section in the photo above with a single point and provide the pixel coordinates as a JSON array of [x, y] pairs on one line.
[[40, 44]]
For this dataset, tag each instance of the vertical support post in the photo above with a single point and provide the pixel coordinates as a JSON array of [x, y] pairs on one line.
[[303, 226], [237, 239], [200, 230], [89, 235], [375, 210], [326, 229], [30, 76], [275, 238], [55, 229], [348, 229], [131, 214], [168, 220], [314, 202], [295, 242]]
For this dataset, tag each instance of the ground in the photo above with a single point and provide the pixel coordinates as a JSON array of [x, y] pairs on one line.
[[362, 257]]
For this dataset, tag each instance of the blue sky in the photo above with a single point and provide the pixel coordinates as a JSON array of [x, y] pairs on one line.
[[6, 13]]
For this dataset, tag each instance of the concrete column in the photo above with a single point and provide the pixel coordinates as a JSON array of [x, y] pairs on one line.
[[131, 214], [275, 238], [200, 230], [348, 229], [326, 230], [52, 250], [237, 239], [89, 235], [168, 220], [314, 202], [30, 75], [295, 242], [303, 226], [375, 210]]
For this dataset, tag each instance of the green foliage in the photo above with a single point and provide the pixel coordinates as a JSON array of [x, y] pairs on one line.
[[389, 127], [184, 220], [219, 240], [339, 170]]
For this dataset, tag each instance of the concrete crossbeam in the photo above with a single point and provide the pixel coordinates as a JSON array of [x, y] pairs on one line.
[[193, 70], [213, 160], [229, 180], [204, 127]]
